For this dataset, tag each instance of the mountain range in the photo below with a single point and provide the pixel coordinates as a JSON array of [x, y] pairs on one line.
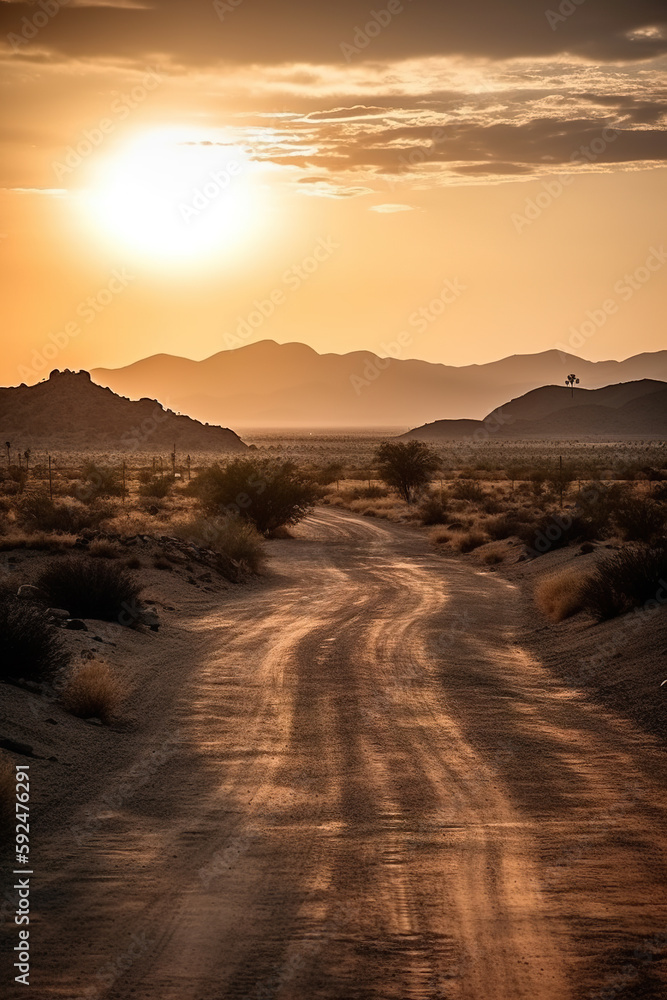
[[627, 410], [69, 411], [278, 386]]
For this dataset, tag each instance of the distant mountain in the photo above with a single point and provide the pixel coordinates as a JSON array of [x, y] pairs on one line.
[[291, 385], [627, 410], [69, 411]]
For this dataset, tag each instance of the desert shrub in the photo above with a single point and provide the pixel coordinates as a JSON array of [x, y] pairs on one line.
[[556, 529], [101, 548], [134, 562], [232, 538], [490, 504], [468, 489], [93, 691], [432, 511], [406, 466], [470, 540], [440, 536], [98, 481], [503, 526], [639, 519], [598, 505], [267, 493], [32, 647], [372, 492], [560, 596], [90, 588], [36, 511], [156, 487], [328, 474], [161, 562], [628, 579], [493, 557]]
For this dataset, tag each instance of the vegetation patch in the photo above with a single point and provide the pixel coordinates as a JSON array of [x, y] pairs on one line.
[[93, 691], [32, 647], [90, 588], [632, 578]]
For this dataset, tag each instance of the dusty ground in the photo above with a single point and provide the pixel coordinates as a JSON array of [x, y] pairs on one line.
[[355, 781]]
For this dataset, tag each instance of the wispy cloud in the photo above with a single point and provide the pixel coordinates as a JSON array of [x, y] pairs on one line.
[[389, 208]]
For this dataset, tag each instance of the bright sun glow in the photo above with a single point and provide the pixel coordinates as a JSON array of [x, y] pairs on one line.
[[168, 196]]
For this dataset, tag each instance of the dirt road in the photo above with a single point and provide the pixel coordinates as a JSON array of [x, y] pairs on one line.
[[376, 793]]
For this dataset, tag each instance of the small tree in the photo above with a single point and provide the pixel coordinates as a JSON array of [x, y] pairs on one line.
[[267, 493], [572, 380], [406, 467]]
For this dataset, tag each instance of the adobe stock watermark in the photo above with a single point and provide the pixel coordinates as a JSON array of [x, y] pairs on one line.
[[419, 322], [87, 310], [625, 288], [556, 186], [31, 26], [292, 280], [566, 9], [92, 138], [364, 34]]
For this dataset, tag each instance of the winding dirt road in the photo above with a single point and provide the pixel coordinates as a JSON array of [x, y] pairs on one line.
[[376, 793]]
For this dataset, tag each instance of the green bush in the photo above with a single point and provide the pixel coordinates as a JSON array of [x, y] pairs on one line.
[[32, 647], [267, 493], [626, 580], [90, 588]]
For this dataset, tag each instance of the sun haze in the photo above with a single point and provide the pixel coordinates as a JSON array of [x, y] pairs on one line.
[[204, 151]]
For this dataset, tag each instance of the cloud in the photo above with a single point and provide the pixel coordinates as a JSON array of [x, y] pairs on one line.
[[263, 32], [388, 209], [318, 187], [499, 94]]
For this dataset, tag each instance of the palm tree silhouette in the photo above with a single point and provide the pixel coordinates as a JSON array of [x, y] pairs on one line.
[[572, 380]]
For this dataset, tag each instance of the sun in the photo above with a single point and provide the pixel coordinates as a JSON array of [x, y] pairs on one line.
[[169, 196]]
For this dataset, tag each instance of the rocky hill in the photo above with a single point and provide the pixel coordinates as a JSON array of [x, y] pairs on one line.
[[69, 411], [627, 410]]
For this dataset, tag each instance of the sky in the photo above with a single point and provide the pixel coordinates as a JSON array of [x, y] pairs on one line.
[[189, 177]]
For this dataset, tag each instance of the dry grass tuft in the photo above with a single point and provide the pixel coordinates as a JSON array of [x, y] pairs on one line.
[[471, 540], [440, 536], [560, 596], [280, 532], [93, 691], [40, 541], [492, 557]]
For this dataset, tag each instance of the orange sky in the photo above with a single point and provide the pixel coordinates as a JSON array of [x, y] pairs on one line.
[[185, 178]]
